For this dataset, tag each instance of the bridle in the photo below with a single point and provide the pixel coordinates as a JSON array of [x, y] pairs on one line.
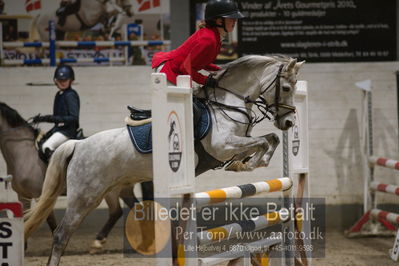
[[263, 106]]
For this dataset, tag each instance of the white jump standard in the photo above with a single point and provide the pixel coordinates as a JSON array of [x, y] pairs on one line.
[[374, 221], [175, 103]]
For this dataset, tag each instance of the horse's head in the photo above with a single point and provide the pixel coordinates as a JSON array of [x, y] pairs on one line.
[[266, 81], [9, 118], [277, 87]]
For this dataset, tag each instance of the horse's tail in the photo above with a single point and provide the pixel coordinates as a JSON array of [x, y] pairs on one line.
[[54, 184]]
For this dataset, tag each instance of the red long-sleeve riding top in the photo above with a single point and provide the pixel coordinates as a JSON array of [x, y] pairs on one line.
[[201, 49]]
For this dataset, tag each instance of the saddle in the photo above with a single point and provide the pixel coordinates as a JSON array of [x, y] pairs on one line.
[[138, 114], [140, 127], [142, 114]]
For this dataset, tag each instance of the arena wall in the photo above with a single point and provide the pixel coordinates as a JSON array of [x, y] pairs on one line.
[[334, 119]]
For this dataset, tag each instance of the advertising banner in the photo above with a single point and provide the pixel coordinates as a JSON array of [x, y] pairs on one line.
[[87, 21], [319, 31]]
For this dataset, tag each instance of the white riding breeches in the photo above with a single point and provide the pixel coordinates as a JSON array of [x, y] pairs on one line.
[[54, 141]]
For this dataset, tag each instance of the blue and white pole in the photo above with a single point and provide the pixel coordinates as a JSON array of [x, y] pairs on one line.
[[52, 39]]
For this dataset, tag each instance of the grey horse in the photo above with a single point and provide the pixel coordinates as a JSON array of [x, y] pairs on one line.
[[93, 167], [17, 145]]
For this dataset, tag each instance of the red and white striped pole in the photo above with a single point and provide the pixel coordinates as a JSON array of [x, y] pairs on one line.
[[388, 216], [384, 162], [387, 188]]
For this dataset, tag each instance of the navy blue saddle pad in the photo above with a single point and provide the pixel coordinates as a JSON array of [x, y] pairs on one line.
[[141, 136]]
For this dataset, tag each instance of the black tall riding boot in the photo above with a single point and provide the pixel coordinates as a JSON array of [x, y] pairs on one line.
[[47, 154]]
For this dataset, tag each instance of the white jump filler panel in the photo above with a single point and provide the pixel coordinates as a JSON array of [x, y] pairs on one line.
[[172, 132], [173, 148], [11, 227]]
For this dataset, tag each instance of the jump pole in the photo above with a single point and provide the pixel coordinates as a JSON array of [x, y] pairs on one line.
[[52, 40]]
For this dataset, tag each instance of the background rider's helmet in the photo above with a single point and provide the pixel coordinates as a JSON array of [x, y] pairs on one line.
[[222, 9], [64, 72]]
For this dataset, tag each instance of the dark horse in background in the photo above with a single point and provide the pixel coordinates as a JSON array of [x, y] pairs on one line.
[[17, 144]]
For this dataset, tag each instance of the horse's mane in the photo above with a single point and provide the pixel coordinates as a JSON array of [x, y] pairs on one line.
[[12, 116], [255, 60]]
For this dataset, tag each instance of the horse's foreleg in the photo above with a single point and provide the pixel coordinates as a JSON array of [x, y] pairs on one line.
[[239, 160], [261, 149], [244, 147], [274, 141], [263, 157], [118, 23]]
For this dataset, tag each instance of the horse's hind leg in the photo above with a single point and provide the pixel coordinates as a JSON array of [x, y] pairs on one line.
[[78, 207], [51, 221]]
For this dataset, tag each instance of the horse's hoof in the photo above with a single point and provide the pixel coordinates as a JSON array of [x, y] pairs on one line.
[[236, 166], [97, 246]]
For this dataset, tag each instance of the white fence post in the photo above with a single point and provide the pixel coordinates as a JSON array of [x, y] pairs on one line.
[[297, 144], [173, 147]]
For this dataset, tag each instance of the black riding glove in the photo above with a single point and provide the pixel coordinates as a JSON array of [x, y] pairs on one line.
[[211, 82], [43, 118]]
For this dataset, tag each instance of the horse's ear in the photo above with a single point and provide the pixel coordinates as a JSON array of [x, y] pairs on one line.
[[298, 66], [291, 64]]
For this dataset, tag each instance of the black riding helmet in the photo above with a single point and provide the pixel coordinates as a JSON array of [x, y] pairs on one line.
[[222, 9], [64, 72]]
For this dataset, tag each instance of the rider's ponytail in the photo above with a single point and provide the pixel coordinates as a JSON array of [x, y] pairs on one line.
[[206, 23], [201, 24]]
